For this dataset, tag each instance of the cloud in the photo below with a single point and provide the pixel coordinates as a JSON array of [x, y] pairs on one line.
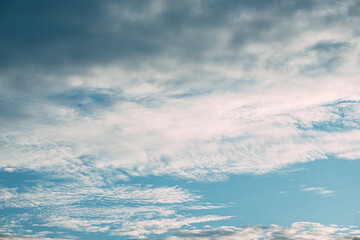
[[236, 135], [119, 31], [298, 230], [73, 38], [128, 210], [159, 226], [101, 92], [70, 193], [249, 98], [15, 237], [319, 190]]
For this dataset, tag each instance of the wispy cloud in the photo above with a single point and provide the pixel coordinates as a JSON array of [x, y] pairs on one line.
[[298, 230], [131, 210], [319, 190], [70, 193], [173, 139], [159, 226]]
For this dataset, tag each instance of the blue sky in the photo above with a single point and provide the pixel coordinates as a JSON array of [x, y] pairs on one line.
[[179, 120]]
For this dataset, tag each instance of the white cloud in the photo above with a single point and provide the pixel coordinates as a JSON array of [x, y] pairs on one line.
[[319, 190], [191, 138], [64, 194], [298, 230], [131, 210], [159, 226], [24, 237]]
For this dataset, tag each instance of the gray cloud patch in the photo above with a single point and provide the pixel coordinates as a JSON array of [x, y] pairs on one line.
[[42, 43], [298, 230], [45, 35]]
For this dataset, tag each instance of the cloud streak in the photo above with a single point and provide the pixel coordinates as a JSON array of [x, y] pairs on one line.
[[298, 230], [319, 190], [129, 210]]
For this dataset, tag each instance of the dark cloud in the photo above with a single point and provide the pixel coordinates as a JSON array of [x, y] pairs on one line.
[[11, 110], [266, 232], [329, 56], [44, 42], [47, 34]]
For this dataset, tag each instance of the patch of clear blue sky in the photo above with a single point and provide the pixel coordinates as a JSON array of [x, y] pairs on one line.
[[273, 198], [260, 199], [84, 100]]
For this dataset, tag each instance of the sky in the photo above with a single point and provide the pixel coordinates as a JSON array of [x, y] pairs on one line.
[[179, 120]]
